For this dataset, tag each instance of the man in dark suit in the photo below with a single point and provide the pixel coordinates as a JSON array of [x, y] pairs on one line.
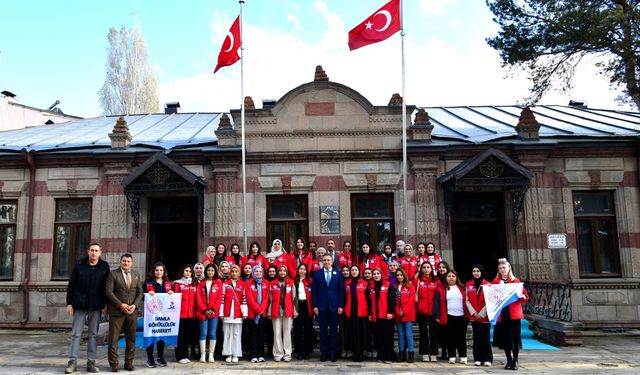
[[331, 250], [327, 294], [124, 292]]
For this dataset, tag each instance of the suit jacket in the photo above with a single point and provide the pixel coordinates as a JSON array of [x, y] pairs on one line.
[[327, 297], [117, 292]]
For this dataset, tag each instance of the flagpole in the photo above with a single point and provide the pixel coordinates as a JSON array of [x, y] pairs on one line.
[[244, 161], [404, 135]]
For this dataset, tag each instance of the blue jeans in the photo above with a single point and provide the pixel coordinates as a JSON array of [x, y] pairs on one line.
[[208, 328], [93, 321], [405, 336]]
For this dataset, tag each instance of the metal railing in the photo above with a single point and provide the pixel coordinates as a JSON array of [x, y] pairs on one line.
[[550, 300]]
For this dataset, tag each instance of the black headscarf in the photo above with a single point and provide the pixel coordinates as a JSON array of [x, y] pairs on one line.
[[477, 282]]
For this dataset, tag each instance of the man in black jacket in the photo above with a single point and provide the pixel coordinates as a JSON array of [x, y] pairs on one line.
[[85, 299]]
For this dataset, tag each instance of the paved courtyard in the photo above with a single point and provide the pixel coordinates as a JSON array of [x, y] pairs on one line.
[[45, 352]]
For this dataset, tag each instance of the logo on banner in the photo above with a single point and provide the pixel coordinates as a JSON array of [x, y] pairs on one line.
[[161, 318]]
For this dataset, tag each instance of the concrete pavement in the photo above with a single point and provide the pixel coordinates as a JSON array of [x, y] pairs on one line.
[[45, 352]]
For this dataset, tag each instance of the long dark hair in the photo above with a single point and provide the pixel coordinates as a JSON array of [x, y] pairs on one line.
[[236, 257], [458, 282], [224, 253], [194, 280], [296, 280], [250, 252], [215, 271], [152, 275]]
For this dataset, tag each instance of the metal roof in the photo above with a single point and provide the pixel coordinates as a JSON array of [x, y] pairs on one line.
[[195, 131]]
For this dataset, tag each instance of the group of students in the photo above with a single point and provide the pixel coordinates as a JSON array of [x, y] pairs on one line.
[[237, 303]]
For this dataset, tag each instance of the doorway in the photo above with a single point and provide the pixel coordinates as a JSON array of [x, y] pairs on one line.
[[173, 233], [478, 232]]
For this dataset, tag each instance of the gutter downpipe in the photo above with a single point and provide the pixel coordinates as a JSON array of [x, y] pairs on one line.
[[31, 163]]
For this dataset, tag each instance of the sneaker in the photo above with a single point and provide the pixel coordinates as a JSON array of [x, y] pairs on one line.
[[91, 367], [183, 361], [286, 359], [234, 359], [254, 360], [388, 362], [71, 367], [229, 358], [487, 364], [161, 362], [261, 359], [477, 363], [463, 360], [151, 363], [434, 358], [452, 360]]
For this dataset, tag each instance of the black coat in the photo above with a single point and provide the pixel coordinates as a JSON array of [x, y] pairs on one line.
[[86, 290]]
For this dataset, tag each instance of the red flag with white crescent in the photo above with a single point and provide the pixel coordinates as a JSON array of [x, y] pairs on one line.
[[229, 51], [377, 27]]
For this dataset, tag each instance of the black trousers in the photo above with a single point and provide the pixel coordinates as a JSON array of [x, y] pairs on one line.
[[256, 337], [384, 330], [482, 342], [427, 327], [456, 334], [303, 330], [184, 337]]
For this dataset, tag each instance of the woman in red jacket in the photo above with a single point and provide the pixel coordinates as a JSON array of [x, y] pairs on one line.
[[303, 324], [429, 255], [234, 257], [405, 315], [449, 311], [506, 334], [208, 297], [300, 255], [257, 292], [157, 282], [383, 302], [356, 310], [426, 286], [187, 286], [368, 259], [255, 257], [475, 303], [282, 311], [234, 310], [348, 256]]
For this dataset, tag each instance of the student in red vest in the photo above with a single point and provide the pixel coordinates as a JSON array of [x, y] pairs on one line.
[[443, 269], [209, 255], [208, 298], [233, 310], [157, 282], [475, 303], [429, 255], [405, 315], [277, 256], [186, 285], [368, 259], [356, 312], [409, 263], [506, 334], [220, 255], [347, 256], [234, 257], [367, 276], [255, 257], [257, 292], [449, 311], [316, 264], [426, 286], [282, 311], [343, 350], [383, 302], [303, 324], [300, 255], [246, 278]]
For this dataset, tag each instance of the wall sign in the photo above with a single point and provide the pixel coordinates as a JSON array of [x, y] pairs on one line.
[[557, 240], [329, 219]]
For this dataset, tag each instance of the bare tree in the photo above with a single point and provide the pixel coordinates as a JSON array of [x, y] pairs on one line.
[[130, 85]]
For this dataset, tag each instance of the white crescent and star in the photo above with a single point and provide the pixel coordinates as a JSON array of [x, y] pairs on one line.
[[230, 35], [387, 16]]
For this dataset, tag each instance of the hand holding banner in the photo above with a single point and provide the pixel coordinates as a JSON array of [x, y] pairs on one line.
[[498, 296], [161, 317]]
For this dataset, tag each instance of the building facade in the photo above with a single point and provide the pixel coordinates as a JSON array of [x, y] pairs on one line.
[[554, 189]]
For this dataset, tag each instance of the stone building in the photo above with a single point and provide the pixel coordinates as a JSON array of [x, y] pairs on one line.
[[552, 188]]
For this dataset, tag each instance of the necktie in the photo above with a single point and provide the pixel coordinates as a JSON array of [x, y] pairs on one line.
[[327, 277], [128, 279]]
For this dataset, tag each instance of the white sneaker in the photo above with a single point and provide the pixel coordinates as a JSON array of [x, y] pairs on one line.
[[261, 359], [487, 364], [425, 358], [452, 360], [183, 361], [229, 358], [287, 359], [254, 360], [234, 359], [463, 360], [434, 358], [477, 363]]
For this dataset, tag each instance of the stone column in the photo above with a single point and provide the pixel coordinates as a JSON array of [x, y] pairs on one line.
[[426, 205], [223, 205]]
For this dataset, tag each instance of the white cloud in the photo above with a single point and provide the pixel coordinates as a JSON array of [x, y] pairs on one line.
[[454, 24], [294, 20], [435, 7]]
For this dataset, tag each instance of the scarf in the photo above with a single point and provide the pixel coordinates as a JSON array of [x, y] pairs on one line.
[[185, 281], [258, 282], [354, 287], [477, 283]]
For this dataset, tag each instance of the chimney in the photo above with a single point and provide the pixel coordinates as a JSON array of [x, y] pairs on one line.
[[320, 74], [120, 137], [171, 108], [528, 127], [421, 128]]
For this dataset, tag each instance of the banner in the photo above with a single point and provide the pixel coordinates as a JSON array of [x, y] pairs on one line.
[[498, 296], [161, 318]]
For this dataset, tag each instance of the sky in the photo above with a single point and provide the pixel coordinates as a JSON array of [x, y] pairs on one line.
[[56, 50]]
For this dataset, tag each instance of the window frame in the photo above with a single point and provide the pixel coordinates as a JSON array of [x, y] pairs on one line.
[[372, 221], [593, 219], [74, 225], [287, 221], [14, 225]]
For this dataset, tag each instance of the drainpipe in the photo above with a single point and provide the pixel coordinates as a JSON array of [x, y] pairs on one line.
[[31, 163]]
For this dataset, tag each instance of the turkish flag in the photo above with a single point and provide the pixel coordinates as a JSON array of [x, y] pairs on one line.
[[377, 27], [229, 50]]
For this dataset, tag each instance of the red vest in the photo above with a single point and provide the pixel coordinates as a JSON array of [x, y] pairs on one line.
[[344, 259], [307, 291], [275, 299], [372, 262], [434, 259], [257, 261], [232, 260], [235, 296], [409, 265], [188, 304], [316, 265], [476, 300], [515, 309], [361, 288], [213, 302], [442, 291], [150, 288], [379, 310], [252, 298], [406, 304], [426, 290]]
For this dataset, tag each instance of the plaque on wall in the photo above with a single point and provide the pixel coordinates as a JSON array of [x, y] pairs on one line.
[[557, 240], [329, 219]]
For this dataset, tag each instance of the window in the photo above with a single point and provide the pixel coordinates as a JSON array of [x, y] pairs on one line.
[[7, 238], [287, 219], [596, 234], [71, 234], [372, 219]]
